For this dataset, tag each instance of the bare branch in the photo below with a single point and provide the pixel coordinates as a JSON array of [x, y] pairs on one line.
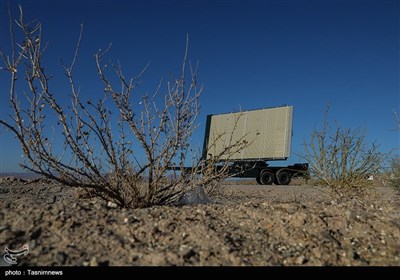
[[92, 156]]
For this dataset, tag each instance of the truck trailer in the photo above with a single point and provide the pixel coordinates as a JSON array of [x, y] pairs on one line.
[[269, 134]]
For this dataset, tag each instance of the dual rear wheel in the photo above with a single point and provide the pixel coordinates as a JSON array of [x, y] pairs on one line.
[[281, 177]]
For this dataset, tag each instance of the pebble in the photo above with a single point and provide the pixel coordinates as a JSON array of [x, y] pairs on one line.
[[111, 204], [93, 262], [61, 258]]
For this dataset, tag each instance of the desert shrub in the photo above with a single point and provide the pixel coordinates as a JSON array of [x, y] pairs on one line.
[[394, 172], [340, 157], [99, 138]]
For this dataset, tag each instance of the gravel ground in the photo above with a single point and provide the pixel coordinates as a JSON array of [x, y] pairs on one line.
[[247, 225]]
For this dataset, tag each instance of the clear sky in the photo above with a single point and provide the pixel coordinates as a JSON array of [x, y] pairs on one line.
[[252, 54]]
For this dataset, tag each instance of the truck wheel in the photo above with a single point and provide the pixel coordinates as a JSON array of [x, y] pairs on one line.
[[267, 178], [258, 180], [283, 178]]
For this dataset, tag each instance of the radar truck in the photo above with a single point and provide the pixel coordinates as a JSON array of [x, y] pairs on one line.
[[269, 134]]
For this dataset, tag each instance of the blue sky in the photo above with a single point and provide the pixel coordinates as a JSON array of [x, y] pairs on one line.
[[252, 54]]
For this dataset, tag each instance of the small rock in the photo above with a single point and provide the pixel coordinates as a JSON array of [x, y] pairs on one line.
[[187, 252], [316, 252], [93, 262], [299, 260], [190, 253], [111, 204], [196, 196], [350, 215], [61, 257], [52, 200]]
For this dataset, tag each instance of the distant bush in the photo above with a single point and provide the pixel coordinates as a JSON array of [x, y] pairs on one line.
[[394, 173], [340, 157]]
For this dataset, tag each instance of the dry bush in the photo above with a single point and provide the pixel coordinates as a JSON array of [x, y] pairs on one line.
[[99, 137], [394, 173], [340, 157]]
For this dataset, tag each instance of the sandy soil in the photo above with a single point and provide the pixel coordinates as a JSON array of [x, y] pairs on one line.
[[246, 225]]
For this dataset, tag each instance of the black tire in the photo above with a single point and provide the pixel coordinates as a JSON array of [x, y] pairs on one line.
[[258, 180], [283, 177], [267, 178]]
